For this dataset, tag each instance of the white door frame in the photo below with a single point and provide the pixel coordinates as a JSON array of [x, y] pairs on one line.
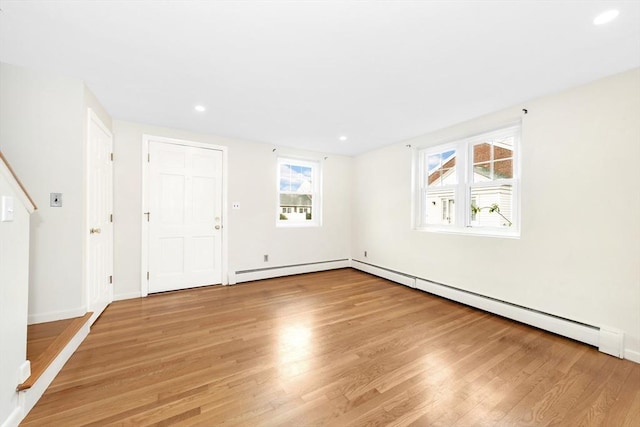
[[144, 279], [93, 117]]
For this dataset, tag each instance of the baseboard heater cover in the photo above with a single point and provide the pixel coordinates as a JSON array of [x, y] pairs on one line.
[[286, 270], [607, 340], [385, 273], [568, 328]]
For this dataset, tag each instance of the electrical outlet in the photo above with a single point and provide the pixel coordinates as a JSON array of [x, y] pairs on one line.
[[266, 258], [235, 205]]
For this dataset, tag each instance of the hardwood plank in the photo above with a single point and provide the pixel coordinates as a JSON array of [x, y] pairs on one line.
[[64, 332], [41, 335], [335, 348]]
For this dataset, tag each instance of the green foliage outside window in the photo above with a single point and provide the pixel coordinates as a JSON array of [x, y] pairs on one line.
[[494, 208]]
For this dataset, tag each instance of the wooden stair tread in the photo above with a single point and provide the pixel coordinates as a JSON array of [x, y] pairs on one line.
[[42, 362], [41, 335]]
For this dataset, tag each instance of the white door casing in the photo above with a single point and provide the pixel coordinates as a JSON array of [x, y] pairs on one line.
[[99, 209], [184, 215]]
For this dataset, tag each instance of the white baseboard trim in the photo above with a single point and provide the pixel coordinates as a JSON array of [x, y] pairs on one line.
[[634, 356], [128, 295], [14, 418], [32, 395], [96, 313], [287, 270], [611, 341], [606, 339], [52, 316]]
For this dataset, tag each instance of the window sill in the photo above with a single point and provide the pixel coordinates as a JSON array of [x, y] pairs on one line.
[[282, 224], [472, 231]]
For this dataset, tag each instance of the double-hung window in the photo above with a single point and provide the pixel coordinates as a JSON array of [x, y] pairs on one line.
[[470, 185], [298, 192]]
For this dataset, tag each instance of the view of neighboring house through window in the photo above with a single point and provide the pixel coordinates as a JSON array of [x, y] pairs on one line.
[[298, 192], [469, 185], [441, 183], [493, 181]]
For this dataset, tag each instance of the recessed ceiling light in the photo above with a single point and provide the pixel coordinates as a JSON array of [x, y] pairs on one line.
[[343, 138], [200, 108], [605, 17]]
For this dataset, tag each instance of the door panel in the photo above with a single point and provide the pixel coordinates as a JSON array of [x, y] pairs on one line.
[[171, 260], [172, 195], [204, 253], [185, 201], [99, 210]]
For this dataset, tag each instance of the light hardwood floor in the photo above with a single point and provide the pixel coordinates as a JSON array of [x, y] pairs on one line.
[[336, 348], [41, 335]]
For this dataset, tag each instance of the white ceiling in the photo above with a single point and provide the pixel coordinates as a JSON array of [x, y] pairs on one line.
[[302, 73]]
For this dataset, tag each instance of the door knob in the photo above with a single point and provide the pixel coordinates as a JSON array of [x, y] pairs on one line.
[[217, 227], [95, 231]]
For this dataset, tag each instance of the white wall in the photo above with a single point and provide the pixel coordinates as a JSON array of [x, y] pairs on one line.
[[43, 132], [14, 283], [579, 260], [251, 229]]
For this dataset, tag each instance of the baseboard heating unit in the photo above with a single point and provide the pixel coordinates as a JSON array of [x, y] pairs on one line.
[[607, 340], [286, 270]]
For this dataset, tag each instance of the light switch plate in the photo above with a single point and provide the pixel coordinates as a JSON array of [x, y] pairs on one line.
[[7, 209], [55, 200]]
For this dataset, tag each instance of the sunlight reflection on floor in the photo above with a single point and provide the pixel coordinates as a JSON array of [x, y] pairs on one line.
[[295, 349]]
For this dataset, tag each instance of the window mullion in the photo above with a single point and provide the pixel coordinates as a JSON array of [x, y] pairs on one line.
[[461, 190], [468, 181]]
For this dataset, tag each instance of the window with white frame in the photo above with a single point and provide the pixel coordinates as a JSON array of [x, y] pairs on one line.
[[470, 185], [298, 192]]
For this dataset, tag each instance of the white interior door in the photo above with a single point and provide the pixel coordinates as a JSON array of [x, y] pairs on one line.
[[99, 216], [185, 216]]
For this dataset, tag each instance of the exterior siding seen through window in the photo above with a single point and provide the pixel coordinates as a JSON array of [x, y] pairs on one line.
[[469, 185], [298, 192]]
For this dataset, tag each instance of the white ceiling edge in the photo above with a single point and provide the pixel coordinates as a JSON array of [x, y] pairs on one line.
[[302, 74]]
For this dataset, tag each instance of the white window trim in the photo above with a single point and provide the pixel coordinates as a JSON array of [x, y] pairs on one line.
[[316, 194], [464, 174]]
